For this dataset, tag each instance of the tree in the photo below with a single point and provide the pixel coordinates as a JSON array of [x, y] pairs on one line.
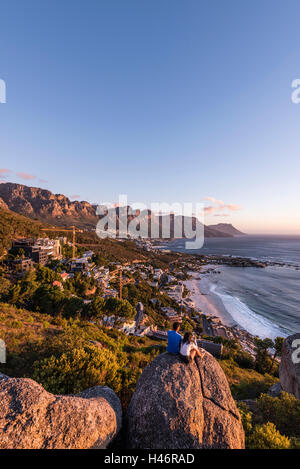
[[278, 343], [46, 275], [14, 294], [120, 308], [73, 306], [186, 326], [100, 260], [96, 307], [47, 299], [263, 361], [17, 253]]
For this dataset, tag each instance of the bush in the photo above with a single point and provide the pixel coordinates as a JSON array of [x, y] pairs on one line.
[[77, 370], [244, 360], [263, 436], [252, 389], [266, 436], [246, 417], [283, 411]]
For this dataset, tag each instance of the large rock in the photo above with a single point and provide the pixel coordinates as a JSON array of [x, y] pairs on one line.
[[289, 370], [183, 406], [275, 390], [32, 418]]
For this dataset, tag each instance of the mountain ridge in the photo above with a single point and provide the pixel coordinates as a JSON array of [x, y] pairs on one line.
[[57, 209], [227, 228]]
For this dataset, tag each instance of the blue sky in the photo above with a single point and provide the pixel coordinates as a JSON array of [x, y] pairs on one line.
[[170, 101]]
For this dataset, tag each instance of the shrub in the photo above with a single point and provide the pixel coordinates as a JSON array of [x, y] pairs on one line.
[[251, 389], [246, 417], [266, 436], [78, 369], [283, 411], [244, 360]]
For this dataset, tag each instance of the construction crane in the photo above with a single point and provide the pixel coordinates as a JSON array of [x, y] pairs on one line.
[[73, 230], [119, 270], [120, 282]]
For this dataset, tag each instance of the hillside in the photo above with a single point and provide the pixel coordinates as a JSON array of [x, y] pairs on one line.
[[227, 229], [13, 226]]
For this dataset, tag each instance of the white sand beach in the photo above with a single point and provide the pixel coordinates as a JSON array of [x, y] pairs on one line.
[[206, 301]]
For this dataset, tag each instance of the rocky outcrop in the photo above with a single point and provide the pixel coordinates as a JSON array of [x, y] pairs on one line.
[[183, 406], [3, 204], [275, 390], [39, 203], [32, 418], [289, 370]]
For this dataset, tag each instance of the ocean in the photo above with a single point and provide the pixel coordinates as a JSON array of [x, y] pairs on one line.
[[265, 302]]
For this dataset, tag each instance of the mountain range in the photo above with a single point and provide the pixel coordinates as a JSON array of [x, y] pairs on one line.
[[57, 209]]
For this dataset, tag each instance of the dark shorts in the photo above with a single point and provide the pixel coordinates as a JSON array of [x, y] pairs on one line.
[[185, 359]]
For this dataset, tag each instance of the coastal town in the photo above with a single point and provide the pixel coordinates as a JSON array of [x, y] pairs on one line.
[[171, 300]]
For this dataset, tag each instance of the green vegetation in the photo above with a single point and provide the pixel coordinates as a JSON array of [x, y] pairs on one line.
[[78, 369], [14, 226], [246, 383], [263, 363], [267, 437], [274, 424], [283, 411], [69, 355], [111, 250]]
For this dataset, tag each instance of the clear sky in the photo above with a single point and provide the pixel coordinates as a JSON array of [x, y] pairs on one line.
[[163, 100]]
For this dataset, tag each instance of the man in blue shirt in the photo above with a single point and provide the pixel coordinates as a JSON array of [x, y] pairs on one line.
[[174, 339]]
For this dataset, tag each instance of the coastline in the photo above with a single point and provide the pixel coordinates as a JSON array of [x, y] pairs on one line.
[[257, 291], [205, 300], [216, 320]]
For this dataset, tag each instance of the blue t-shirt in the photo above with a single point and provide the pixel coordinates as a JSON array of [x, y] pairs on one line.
[[173, 342]]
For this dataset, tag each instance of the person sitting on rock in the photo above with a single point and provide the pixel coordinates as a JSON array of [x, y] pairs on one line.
[[188, 348], [174, 339]]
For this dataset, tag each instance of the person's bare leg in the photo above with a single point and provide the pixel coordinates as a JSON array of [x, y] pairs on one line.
[[192, 354], [198, 353]]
